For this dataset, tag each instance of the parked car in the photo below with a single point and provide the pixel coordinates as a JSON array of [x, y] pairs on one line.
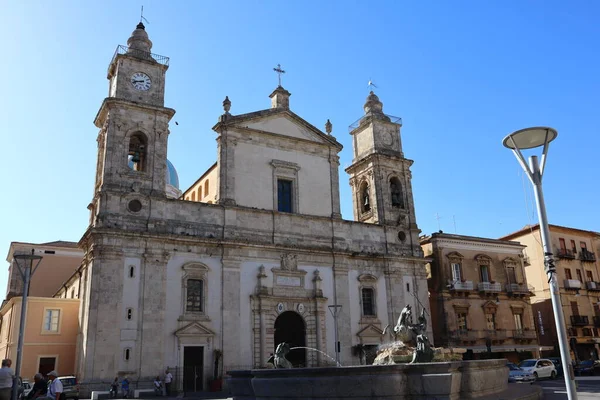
[[516, 374], [542, 368], [70, 387], [558, 365], [585, 368]]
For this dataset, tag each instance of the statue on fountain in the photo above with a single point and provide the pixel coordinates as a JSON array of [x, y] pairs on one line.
[[414, 335], [279, 360]]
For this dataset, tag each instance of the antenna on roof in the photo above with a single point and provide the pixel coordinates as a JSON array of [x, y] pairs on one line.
[[142, 16]]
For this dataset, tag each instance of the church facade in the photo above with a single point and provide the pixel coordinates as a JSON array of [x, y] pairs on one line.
[[215, 281]]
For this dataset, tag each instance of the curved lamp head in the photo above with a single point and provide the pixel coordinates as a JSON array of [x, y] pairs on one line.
[[530, 138]]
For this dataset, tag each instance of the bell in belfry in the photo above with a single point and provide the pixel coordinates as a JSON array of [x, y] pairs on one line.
[[136, 157]]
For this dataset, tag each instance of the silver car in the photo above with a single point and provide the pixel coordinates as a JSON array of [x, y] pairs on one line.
[[516, 374]]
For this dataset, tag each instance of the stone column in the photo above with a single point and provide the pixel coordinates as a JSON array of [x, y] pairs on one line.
[[152, 317], [231, 313], [226, 165], [344, 323], [334, 164]]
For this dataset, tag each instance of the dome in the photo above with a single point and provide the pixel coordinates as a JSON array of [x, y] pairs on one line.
[[172, 177]]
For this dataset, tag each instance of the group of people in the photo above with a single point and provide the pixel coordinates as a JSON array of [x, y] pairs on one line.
[[158, 386], [42, 389]]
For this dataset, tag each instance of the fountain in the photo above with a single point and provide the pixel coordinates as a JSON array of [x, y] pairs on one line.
[[420, 379]]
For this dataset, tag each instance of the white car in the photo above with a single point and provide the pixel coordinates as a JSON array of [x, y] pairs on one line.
[[541, 368]]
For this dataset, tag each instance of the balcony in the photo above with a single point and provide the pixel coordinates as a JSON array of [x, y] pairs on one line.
[[564, 253], [461, 286], [464, 335], [494, 334], [596, 321], [585, 255], [579, 320], [489, 287], [524, 334], [572, 284], [519, 288], [592, 285]]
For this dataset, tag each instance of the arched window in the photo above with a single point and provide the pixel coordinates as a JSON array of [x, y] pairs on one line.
[[396, 193], [131, 271], [200, 193], [193, 196], [365, 197], [206, 188], [127, 354], [137, 152]]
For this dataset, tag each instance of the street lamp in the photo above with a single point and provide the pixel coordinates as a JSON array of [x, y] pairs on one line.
[[530, 138], [25, 264], [335, 311]]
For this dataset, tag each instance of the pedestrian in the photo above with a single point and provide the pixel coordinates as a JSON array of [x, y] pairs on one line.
[[168, 380], [6, 380], [40, 387], [114, 388], [125, 387], [55, 387], [158, 388]]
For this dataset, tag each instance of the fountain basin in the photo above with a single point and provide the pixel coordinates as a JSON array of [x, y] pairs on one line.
[[440, 380]]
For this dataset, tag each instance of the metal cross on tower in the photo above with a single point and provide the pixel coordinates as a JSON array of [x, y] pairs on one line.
[[371, 85], [279, 72]]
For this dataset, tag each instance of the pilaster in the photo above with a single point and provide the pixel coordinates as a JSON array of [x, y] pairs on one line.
[[231, 311], [345, 330]]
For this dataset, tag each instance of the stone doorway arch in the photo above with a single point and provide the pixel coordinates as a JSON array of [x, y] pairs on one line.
[[291, 329]]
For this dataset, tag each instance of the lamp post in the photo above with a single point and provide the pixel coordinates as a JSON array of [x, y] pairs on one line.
[[530, 138], [25, 264], [335, 311]]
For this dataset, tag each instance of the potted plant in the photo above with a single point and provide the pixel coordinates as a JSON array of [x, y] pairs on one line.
[[216, 383]]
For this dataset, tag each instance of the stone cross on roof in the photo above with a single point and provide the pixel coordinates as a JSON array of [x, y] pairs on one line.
[[279, 72]]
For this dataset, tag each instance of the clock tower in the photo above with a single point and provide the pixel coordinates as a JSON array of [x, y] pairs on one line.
[[380, 176], [134, 130]]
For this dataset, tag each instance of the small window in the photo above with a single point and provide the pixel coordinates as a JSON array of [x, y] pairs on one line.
[[573, 247], [461, 321], [583, 246], [368, 301], [568, 273], [51, 320], [127, 354], [518, 321], [408, 287], [72, 293], [200, 193], [195, 289], [193, 196], [490, 320], [485, 273], [129, 314], [131, 271], [589, 276], [579, 277], [365, 198], [511, 275], [456, 276], [206, 188], [284, 195], [396, 193], [563, 245]]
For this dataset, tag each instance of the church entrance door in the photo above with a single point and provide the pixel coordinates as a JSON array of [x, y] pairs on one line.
[[289, 328], [193, 363]]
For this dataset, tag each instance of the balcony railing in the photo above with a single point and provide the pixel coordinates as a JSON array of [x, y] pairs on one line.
[[564, 253], [572, 284], [579, 320], [596, 321], [585, 255], [524, 334], [489, 287], [139, 54], [464, 286], [464, 335], [521, 288], [590, 285], [494, 334]]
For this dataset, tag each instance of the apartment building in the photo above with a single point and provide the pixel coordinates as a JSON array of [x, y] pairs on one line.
[[479, 295], [579, 285]]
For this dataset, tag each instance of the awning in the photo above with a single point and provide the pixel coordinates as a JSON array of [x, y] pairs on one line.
[[503, 349]]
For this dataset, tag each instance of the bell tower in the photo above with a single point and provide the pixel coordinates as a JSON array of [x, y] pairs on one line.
[[134, 126], [380, 176]]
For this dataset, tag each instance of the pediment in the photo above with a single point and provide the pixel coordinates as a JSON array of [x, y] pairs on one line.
[[370, 331], [194, 329], [285, 125]]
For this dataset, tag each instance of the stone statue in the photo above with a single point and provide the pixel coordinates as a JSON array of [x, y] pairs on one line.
[[414, 334], [279, 360]]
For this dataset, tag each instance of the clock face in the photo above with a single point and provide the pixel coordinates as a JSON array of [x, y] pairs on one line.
[[141, 81]]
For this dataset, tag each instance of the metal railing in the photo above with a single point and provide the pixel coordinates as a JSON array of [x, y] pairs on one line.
[[139, 54], [359, 122], [524, 334], [591, 285], [585, 255], [580, 320], [494, 334], [489, 287], [464, 335], [519, 288], [564, 253], [466, 285]]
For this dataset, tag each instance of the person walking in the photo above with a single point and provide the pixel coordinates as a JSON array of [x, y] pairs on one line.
[[55, 387], [125, 387], [6, 380], [168, 380], [114, 388]]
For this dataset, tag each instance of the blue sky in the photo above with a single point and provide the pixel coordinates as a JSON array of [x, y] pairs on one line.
[[461, 74]]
